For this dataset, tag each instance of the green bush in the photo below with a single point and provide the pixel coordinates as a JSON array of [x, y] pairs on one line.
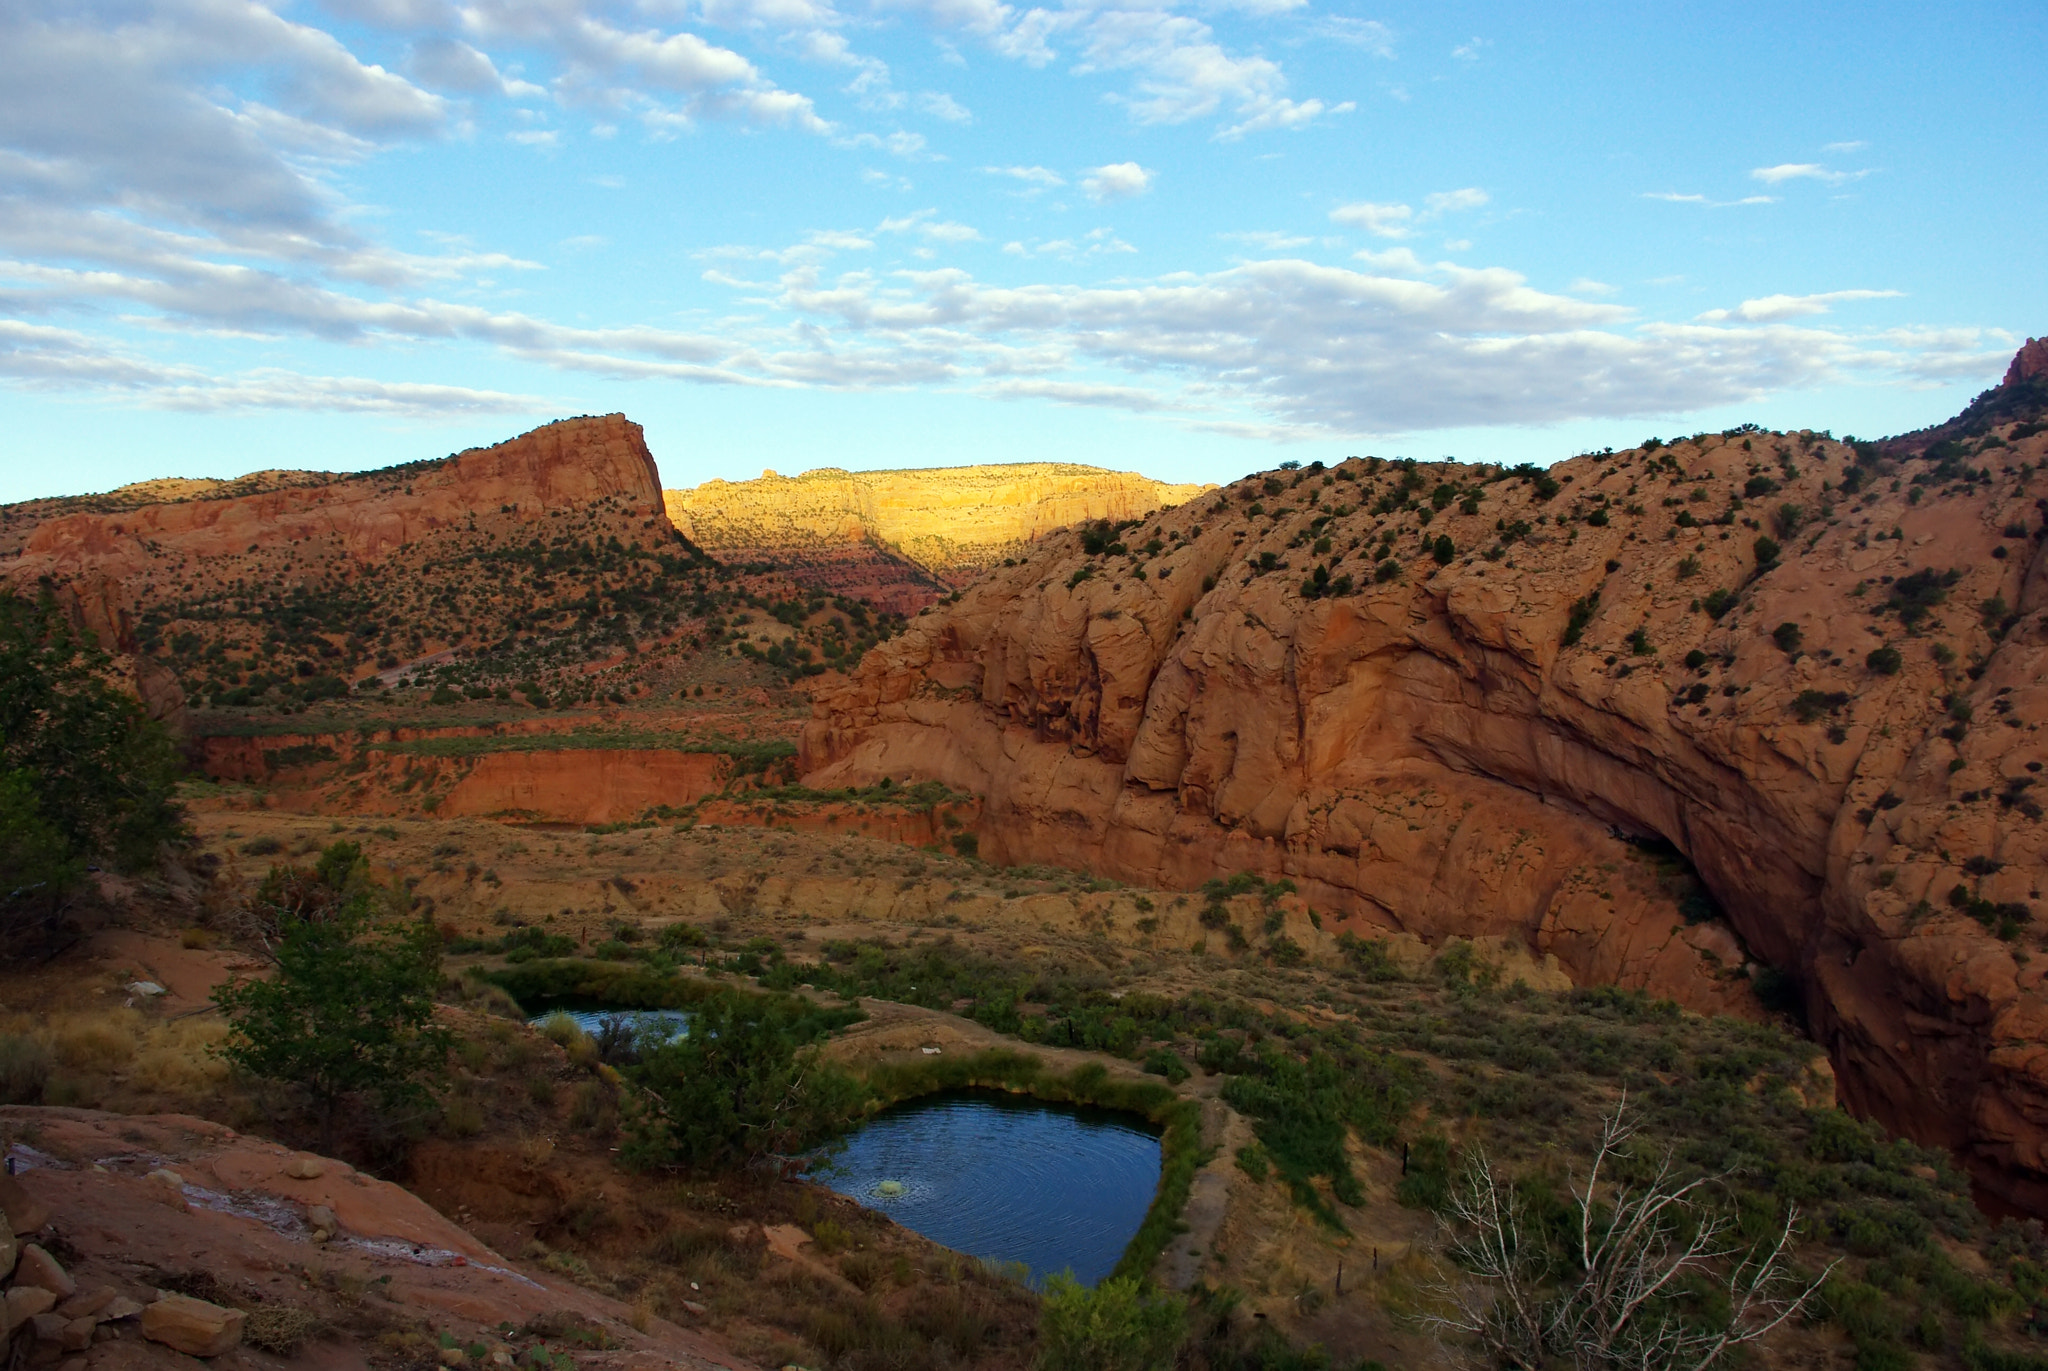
[[350, 1010], [1120, 1325], [85, 775], [746, 1082]]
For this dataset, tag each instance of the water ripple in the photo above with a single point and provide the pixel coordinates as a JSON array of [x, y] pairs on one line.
[[995, 1177]]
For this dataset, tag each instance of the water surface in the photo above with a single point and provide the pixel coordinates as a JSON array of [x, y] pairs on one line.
[[1006, 1178]]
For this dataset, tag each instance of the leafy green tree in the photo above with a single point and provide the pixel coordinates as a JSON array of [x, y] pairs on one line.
[[1117, 1326], [350, 1011], [745, 1082], [85, 774]]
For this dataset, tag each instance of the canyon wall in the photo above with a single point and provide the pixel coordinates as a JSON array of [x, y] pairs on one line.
[[1457, 701], [856, 530], [562, 466]]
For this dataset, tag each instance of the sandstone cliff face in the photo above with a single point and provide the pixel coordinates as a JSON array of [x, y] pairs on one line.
[[563, 465], [139, 574], [2030, 361], [950, 521], [1426, 753]]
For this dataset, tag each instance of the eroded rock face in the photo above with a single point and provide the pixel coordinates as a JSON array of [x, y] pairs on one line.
[[856, 530], [570, 464], [1426, 753], [2030, 361], [111, 560]]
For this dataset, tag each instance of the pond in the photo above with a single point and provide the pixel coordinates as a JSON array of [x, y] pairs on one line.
[[675, 1022], [1007, 1179]]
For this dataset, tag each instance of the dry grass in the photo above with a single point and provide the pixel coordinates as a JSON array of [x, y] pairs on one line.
[[125, 1060]]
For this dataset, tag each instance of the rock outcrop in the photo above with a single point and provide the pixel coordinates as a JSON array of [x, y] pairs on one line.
[[567, 465], [1452, 700], [858, 529], [2030, 361], [296, 554]]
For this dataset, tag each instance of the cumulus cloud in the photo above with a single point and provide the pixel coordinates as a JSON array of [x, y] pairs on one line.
[[1117, 181], [1772, 308], [1384, 221], [1399, 221], [924, 224]]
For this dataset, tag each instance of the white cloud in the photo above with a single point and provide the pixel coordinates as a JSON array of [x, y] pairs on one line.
[[932, 230], [1266, 239], [1178, 69], [1452, 201], [1773, 308], [1857, 146], [1468, 52], [942, 106], [838, 240], [1079, 393], [1586, 285], [1281, 113], [447, 64], [1384, 221], [1041, 178], [1116, 181], [1369, 34], [1675, 198], [1803, 171]]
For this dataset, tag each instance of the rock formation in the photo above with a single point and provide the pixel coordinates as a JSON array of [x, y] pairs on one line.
[[2030, 361], [1455, 700], [566, 465], [856, 530], [296, 554]]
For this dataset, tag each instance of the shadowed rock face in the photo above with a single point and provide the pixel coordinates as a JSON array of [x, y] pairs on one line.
[[901, 538], [1427, 753]]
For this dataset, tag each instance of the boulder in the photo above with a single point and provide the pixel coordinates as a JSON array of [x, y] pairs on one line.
[[305, 1168], [23, 1303], [194, 1327], [24, 1214], [88, 1303], [39, 1269]]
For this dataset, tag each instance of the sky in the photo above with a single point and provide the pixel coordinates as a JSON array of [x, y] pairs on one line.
[[1188, 238]]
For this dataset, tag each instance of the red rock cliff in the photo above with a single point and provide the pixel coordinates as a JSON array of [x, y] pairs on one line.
[[1421, 748], [568, 464]]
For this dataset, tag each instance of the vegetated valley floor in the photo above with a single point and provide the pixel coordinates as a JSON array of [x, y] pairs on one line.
[[1340, 1084]]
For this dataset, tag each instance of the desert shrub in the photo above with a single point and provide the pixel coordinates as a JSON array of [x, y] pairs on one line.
[[25, 1066], [350, 1010], [745, 1083], [1582, 612], [1884, 661], [1120, 1325]]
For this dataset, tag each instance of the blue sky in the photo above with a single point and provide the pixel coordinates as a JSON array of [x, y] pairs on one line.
[[1190, 239]]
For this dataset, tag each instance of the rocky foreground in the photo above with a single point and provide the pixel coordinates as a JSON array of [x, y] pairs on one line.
[[1442, 698]]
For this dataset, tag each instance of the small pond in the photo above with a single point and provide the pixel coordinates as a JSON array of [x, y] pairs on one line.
[[674, 1022], [1006, 1178]]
